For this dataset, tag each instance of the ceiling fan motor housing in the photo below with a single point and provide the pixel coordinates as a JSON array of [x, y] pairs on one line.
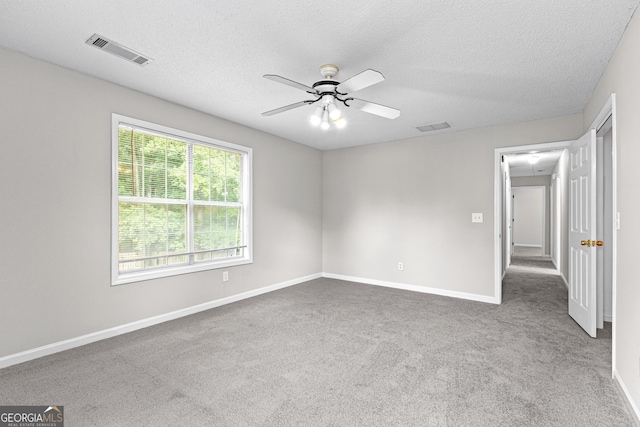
[[324, 87]]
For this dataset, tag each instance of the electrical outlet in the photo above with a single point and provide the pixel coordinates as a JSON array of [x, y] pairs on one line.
[[477, 217], [225, 276], [400, 266]]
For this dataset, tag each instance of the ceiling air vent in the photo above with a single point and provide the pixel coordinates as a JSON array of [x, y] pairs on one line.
[[118, 50], [433, 126]]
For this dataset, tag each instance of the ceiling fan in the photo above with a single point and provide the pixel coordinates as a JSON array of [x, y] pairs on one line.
[[329, 93]]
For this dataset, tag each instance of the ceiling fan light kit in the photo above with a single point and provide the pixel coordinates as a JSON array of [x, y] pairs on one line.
[[329, 92], [327, 113], [316, 117]]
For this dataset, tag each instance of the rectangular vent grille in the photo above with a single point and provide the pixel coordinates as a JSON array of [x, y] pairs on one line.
[[141, 60], [100, 42], [433, 126], [118, 50]]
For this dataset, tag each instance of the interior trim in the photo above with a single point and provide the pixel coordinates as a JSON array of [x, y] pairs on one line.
[[414, 288], [626, 397], [25, 356]]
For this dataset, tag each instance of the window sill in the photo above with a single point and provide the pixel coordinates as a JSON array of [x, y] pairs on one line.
[[139, 276]]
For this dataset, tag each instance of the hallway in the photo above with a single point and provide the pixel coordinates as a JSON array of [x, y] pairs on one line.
[[533, 288], [534, 278]]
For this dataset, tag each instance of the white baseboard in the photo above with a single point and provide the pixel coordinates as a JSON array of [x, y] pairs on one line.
[[564, 279], [25, 356], [526, 245], [633, 407], [414, 288], [607, 318]]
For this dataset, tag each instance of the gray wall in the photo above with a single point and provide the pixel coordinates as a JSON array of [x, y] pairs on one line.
[[412, 200], [531, 181], [535, 181], [622, 77], [561, 185], [528, 205], [55, 190]]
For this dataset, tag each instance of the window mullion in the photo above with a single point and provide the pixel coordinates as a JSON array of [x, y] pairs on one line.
[[222, 204], [144, 231], [166, 196], [152, 200], [190, 220], [142, 185]]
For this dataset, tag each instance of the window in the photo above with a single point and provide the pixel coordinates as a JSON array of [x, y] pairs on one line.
[[181, 202]]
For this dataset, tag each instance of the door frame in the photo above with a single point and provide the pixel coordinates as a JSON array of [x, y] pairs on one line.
[[609, 110], [497, 203]]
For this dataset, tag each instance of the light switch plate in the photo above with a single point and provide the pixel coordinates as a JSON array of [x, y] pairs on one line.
[[477, 217]]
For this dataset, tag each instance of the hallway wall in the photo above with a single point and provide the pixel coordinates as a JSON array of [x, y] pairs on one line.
[[528, 216], [622, 77], [545, 181], [562, 173]]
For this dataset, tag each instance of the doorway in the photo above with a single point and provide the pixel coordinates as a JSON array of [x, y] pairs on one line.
[[540, 174], [605, 127]]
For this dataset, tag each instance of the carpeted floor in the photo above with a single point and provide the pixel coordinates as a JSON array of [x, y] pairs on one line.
[[333, 353]]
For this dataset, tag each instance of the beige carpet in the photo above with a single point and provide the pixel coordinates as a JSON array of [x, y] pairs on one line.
[[333, 353]]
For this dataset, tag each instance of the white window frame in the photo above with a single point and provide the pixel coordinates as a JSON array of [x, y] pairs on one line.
[[117, 277]]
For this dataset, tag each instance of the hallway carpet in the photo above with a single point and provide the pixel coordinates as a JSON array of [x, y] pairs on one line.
[[334, 353]]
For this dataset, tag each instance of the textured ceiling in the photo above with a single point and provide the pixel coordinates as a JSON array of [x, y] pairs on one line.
[[470, 63], [519, 164]]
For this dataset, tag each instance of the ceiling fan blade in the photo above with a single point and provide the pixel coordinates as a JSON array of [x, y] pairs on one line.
[[288, 82], [373, 108], [360, 81], [287, 108]]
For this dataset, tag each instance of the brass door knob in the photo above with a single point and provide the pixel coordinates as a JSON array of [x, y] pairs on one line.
[[585, 242], [599, 243]]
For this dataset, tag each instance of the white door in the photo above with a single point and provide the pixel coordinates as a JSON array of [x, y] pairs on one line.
[[582, 232]]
